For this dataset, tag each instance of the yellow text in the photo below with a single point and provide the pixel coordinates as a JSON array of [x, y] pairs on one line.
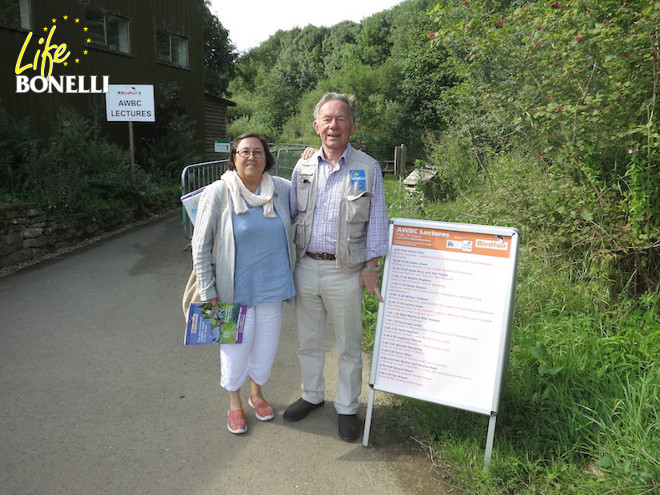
[[52, 54]]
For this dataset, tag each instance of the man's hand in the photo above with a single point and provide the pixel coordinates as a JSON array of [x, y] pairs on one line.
[[369, 280]]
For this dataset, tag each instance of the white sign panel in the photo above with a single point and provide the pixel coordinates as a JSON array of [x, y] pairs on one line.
[[130, 103], [443, 331], [222, 146]]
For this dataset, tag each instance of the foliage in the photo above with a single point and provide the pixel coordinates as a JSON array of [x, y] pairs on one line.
[[219, 54], [574, 85], [336, 46], [16, 141], [172, 143], [79, 171], [77, 168], [384, 61], [579, 406], [458, 172], [167, 155]]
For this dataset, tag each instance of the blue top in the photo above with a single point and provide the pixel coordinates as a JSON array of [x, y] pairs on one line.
[[262, 272]]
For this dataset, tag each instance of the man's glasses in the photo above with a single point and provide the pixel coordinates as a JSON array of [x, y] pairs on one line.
[[245, 153]]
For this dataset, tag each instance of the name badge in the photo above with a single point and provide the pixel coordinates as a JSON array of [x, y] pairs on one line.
[[358, 180]]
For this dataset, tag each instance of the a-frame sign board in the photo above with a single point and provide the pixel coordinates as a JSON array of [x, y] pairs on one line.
[[443, 332]]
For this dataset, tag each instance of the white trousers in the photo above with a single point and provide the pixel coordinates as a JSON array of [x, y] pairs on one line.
[[323, 289], [255, 355]]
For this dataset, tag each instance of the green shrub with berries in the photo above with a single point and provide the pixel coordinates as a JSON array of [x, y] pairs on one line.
[[552, 128], [573, 87]]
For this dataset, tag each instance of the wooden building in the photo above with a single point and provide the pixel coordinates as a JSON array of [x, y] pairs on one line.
[[215, 127], [153, 42]]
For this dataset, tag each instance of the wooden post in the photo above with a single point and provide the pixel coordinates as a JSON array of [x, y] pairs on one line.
[[131, 144], [399, 160]]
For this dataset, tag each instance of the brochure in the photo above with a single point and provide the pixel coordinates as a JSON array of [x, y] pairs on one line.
[[190, 202], [221, 325]]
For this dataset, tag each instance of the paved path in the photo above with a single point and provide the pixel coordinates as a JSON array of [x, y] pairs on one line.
[[99, 396]]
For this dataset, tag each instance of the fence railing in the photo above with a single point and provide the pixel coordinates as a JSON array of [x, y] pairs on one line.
[[192, 178], [286, 157]]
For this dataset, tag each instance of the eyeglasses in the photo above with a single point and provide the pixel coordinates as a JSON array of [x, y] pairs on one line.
[[245, 153]]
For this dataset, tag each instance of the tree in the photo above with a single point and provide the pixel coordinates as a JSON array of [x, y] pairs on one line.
[[373, 44], [219, 54], [573, 83], [335, 45], [424, 75]]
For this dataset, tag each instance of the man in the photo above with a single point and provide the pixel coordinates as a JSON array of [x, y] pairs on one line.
[[338, 204]]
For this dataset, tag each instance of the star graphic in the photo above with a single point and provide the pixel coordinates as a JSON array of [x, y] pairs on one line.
[[66, 17], [85, 28], [66, 63], [45, 28], [54, 20], [89, 40], [77, 60], [84, 52], [77, 21]]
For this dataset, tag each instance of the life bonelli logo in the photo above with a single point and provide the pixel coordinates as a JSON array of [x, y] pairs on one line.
[[37, 59]]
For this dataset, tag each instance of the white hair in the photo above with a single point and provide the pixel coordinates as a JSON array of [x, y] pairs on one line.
[[350, 100]]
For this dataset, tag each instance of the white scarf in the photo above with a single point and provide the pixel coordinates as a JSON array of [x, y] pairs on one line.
[[240, 194]]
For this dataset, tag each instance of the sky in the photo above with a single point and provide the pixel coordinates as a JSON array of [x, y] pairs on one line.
[[251, 23]]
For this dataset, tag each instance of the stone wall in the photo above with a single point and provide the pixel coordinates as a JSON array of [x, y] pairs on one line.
[[28, 233]]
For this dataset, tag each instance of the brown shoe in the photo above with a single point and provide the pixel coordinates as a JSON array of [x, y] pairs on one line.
[[349, 428], [300, 409]]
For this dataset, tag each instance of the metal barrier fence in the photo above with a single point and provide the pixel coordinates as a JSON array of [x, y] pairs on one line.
[[192, 178], [199, 175], [286, 157]]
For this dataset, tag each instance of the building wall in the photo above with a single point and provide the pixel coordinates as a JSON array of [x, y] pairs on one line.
[[173, 86], [215, 125]]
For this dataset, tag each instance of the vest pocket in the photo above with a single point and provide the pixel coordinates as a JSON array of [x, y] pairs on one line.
[[299, 235], [357, 208], [357, 246], [303, 191]]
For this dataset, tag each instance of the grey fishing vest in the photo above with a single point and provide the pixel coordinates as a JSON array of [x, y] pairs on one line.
[[353, 210]]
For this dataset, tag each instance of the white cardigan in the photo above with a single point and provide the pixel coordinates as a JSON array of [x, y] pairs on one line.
[[215, 278]]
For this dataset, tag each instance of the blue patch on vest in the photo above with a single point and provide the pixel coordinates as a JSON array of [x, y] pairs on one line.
[[358, 179]]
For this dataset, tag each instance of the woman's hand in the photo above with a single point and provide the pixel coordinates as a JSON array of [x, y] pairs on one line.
[[308, 152], [214, 302]]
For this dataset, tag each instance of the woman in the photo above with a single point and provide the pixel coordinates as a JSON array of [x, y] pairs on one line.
[[246, 215]]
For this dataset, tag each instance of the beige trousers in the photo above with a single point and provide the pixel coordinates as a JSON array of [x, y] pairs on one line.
[[323, 290]]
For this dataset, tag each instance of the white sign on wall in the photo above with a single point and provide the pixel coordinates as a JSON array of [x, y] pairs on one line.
[[222, 146], [130, 103], [443, 331]]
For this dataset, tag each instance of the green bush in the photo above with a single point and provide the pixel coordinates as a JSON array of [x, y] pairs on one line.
[[579, 406], [77, 171], [257, 122], [16, 143], [459, 171], [573, 85], [166, 156]]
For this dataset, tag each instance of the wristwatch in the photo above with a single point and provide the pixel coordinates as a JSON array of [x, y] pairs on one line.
[[372, 268]]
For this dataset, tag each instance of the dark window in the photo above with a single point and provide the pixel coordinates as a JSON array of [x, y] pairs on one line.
[[172, 48], [108, 30], [15, 13]]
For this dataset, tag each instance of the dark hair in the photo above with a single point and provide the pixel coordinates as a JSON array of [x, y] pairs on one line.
[[270, 161]]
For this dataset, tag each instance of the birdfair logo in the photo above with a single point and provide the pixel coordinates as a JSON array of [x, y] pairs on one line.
[[37, 59]]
